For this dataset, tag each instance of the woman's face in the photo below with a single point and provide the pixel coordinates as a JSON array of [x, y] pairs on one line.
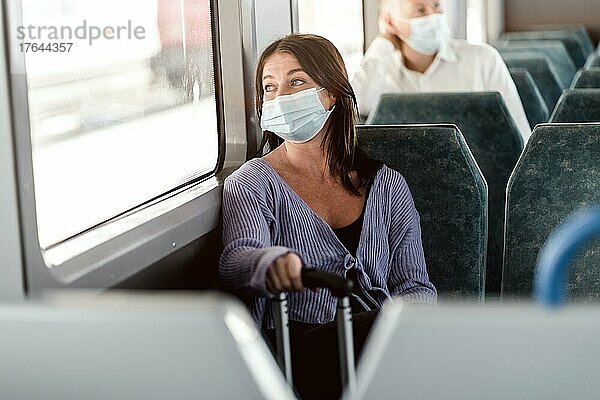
[[282, 75]]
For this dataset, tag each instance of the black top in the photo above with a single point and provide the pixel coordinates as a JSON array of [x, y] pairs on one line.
[[349, 235]]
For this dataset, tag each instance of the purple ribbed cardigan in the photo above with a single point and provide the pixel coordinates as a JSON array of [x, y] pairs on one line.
[[263, 218]]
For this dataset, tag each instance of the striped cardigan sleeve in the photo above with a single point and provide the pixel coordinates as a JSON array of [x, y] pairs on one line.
[[408, 276], [247, 252]]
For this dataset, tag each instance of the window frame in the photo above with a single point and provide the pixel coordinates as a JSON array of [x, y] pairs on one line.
[[142, 236], [262, 22], [366, 12], [11, 275]]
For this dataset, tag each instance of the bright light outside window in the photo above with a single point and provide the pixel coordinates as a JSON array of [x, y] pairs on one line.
[[475, 21], [340, 21], [122, 105]]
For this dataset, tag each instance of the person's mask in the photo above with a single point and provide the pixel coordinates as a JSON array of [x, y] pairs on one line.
[[295, 117], [427, 34]]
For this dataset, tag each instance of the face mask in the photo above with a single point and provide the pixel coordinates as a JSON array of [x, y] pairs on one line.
[[295, 117], [427, 34]]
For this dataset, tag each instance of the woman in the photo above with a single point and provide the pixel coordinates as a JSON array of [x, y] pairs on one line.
[[315, 200]]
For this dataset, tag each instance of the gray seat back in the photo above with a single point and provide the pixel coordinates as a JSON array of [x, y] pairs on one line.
[[593, 61], [571, 40], [555, 50], [542, 71], [491, 134], [473, 353], [531, 98], [557, 174], [576, 31], [450, 194], [587, 79], [123, 346], [583, 36], [577, 105]]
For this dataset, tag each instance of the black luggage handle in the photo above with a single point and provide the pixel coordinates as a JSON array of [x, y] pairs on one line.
[[339, 287]]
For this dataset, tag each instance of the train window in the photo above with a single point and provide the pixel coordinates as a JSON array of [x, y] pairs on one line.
[[340, 21], [122, 106], [476, 27]]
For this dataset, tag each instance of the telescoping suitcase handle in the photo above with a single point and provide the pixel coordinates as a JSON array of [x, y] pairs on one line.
[[340, 288]]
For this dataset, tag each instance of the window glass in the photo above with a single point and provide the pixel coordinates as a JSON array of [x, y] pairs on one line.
[[121, 102], [475, 21], [340, 21]]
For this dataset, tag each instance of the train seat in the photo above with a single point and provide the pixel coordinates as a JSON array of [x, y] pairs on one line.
[[516, 352], [450, 194], [491, 134], [555, 50], [533, 102], [542, 71], [557, 174], [583, 36], [125, 346], [578, 31], [587, 79], [572, 41], [577, 105], [593, 61]]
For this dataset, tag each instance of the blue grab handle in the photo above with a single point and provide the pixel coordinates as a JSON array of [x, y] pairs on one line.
[[557, 253]]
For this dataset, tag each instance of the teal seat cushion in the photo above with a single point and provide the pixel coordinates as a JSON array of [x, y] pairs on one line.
[[587, 79], [450, 195], [593, 61], [491, 134], [542, 71], [531, 98], [578, 105], [557, 174], [555, 50], [572, 41]]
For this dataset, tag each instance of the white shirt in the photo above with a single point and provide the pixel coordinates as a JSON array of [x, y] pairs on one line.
[[458, 66]]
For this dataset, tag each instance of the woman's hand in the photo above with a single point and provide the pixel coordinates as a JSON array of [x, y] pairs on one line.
[[284, 275]]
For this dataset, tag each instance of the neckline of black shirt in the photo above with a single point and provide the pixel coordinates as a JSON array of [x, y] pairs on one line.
[[349, 235]]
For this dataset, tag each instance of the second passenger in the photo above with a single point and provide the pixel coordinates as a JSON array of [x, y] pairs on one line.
[[414, 54]]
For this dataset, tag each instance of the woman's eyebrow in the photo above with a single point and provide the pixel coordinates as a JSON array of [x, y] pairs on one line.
[[293, 71]]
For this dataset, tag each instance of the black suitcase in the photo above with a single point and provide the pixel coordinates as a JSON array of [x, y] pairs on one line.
[[340, 288]]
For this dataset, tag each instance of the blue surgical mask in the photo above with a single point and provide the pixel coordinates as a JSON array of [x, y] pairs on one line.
[[427, 34], [295, 117]]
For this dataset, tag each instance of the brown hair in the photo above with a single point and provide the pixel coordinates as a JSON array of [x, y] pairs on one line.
[[319, 58]]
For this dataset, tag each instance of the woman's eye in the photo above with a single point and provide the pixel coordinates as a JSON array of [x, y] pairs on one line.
[[269, 88], [297, 82]]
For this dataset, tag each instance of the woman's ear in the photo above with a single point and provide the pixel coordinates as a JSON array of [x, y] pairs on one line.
[[332, 100], [327, 99]]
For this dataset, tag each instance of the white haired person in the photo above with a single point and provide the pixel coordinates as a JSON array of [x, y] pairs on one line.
[[414, 54]]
